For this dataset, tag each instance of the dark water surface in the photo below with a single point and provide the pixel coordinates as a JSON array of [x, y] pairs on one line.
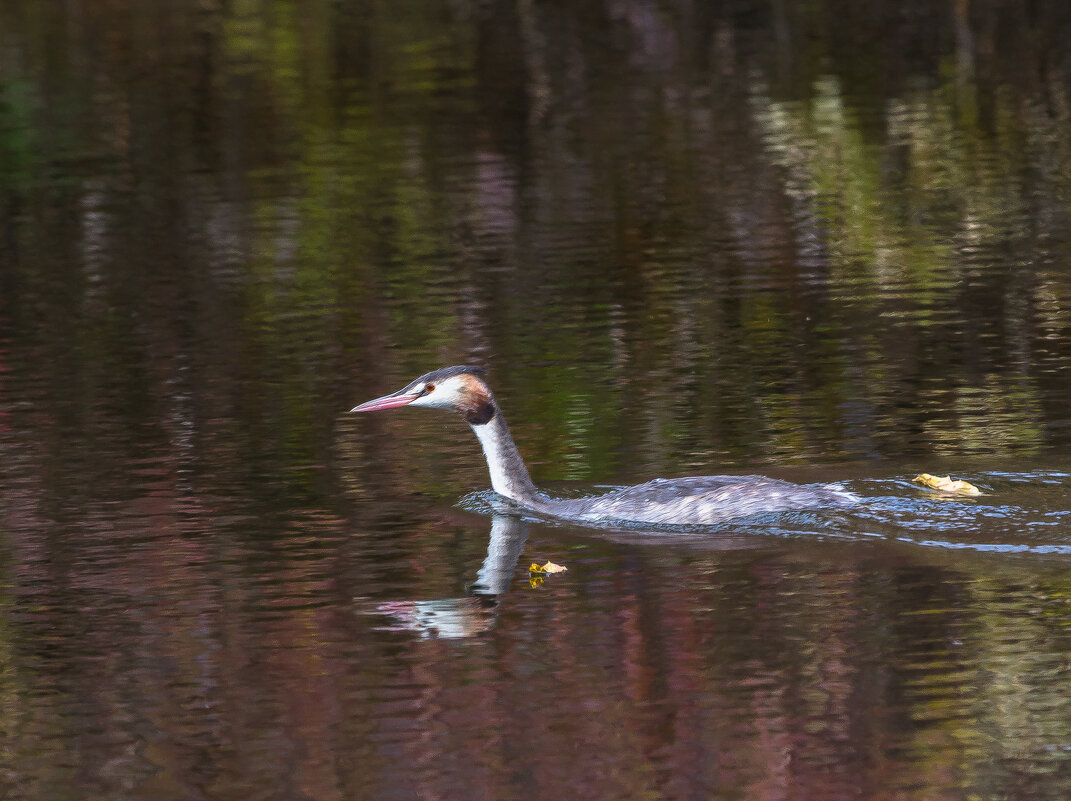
[[823, 241]]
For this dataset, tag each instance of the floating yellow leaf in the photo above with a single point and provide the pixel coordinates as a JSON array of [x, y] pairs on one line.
[[549, 567], [946, 484]]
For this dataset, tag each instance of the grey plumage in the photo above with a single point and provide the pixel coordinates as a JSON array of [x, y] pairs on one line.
[[695, 500]]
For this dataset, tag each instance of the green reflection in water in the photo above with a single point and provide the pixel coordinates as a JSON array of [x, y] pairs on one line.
[[713, 276], [682, 242]]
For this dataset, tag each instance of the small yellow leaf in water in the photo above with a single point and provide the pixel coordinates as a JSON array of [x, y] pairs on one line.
[[946, 484], [537, 573]]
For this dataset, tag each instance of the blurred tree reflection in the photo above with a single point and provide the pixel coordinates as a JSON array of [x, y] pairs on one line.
[[684, 235], [260, 201], [335, 189]]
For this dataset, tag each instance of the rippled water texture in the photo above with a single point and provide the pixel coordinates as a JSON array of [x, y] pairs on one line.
[[822, 241]]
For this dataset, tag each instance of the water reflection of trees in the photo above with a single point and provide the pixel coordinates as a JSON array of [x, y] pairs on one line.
[[681, 234], [688, 221], [192, 652]]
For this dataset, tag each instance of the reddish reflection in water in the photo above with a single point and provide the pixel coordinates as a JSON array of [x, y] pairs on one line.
[[822, 242], [169, 646]]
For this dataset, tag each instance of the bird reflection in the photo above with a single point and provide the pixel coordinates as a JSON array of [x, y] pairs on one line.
[[475, 613]]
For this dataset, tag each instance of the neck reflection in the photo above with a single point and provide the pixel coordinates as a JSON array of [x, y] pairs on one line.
[[475, 612]]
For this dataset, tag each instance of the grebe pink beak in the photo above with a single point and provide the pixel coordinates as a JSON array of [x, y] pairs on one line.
[[386, 402]]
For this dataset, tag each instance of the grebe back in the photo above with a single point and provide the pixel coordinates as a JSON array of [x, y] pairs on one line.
[[696, 500]]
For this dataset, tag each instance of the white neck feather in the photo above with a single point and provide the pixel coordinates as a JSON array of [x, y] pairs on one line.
[[509, 476]]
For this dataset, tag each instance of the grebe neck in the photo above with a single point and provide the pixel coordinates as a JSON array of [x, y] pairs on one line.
[[509, 476]]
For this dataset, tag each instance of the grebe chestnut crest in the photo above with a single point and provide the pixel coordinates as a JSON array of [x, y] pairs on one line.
[[697, 500]]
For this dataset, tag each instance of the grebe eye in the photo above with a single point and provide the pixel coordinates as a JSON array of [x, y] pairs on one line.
[[429, 387]]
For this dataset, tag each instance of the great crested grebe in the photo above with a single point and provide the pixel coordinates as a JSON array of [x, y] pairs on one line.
[[696, 500]]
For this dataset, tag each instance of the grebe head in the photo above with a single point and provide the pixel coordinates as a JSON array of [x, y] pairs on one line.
[[460, 389]]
